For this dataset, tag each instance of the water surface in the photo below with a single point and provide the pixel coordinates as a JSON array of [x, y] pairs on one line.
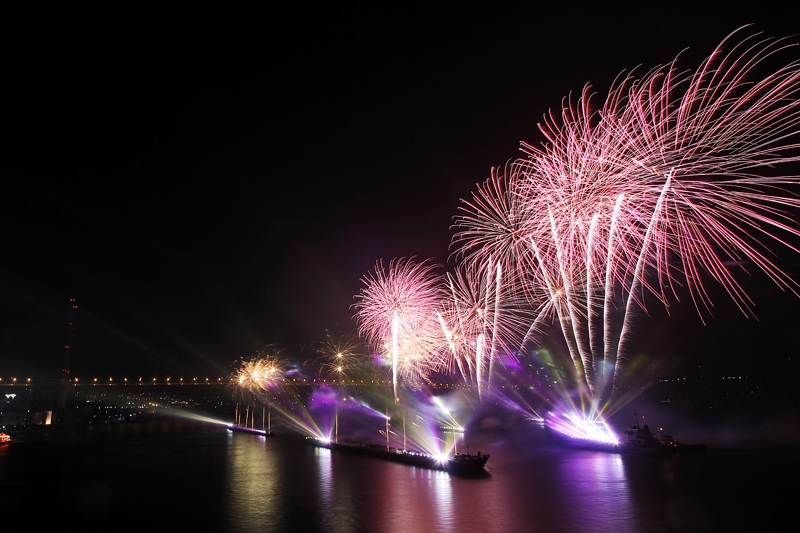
[[191, 476]]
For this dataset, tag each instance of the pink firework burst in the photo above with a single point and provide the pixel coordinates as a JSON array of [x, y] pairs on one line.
[[674, 178], [397, 314], [484, 319]]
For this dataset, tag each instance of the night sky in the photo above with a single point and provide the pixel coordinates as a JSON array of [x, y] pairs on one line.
[[205, 183]]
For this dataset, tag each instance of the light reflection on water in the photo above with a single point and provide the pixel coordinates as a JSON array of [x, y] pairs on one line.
[[253, 481], [419, 501], [338, 509], [443, 493], [559, 491], [365, 494], [193, 477], [598, 491]]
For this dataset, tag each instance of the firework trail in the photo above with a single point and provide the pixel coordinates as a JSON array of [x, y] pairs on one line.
[[481, 318], [397, 313], [675, 177]]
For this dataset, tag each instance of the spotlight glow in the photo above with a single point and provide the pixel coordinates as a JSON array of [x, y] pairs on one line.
[[576, 426]]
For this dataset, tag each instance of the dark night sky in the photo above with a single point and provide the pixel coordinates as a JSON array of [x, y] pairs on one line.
[[207, 183]]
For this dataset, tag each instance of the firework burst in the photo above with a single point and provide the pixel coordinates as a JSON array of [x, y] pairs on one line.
[[339, 358], [483, 319], [396, 313], [675, 177], [259, 381]]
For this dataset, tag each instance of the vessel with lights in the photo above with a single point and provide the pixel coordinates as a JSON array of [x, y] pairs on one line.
[[639, 438], [595, 435], [460, 463], [244, 429]]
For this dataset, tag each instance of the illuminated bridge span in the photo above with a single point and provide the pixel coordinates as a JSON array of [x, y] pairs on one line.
[[196, 381]]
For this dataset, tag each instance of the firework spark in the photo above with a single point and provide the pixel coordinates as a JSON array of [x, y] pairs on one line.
[[676, 176], [482, 318], [339, 358], [396, 313]]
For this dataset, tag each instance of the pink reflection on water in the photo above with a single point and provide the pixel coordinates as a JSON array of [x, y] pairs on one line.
[[598, 490]]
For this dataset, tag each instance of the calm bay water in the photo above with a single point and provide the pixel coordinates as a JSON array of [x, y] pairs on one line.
[[192, 476]]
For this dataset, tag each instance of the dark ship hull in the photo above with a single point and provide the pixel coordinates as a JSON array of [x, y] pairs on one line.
[[640, 439], [460, 463]]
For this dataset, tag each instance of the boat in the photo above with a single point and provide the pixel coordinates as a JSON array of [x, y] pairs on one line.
[[638, 440], [459, 463], [4, 438], [674, 446], [243, 429]]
